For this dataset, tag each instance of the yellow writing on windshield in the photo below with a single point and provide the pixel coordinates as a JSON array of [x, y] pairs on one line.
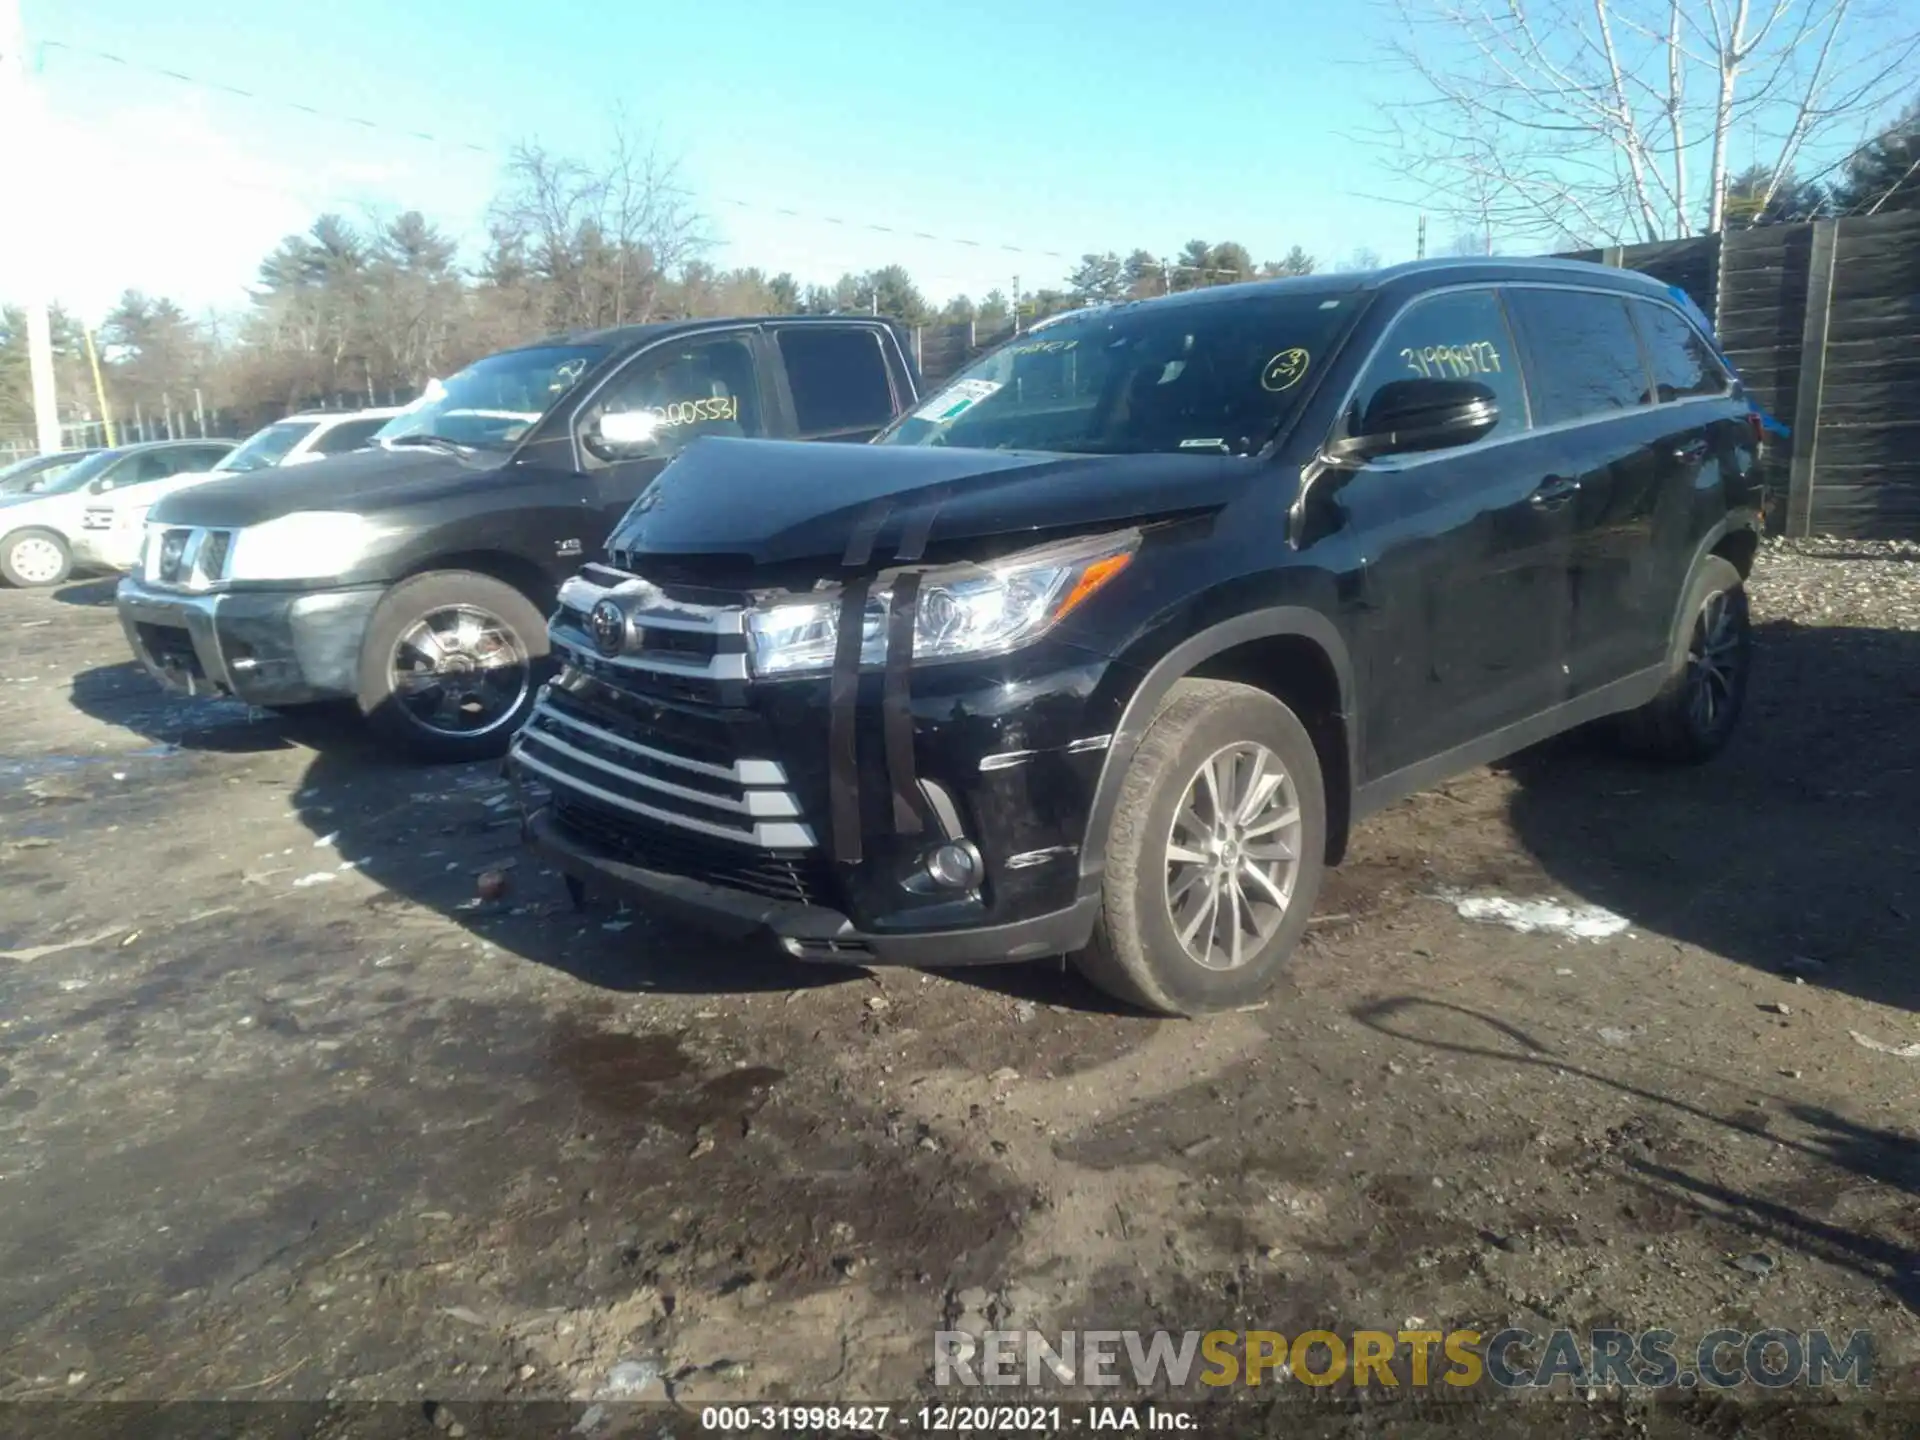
[[1284, 370], [1043, 347], [694, 412]]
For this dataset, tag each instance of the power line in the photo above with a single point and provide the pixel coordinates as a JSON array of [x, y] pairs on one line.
[[378, 128]]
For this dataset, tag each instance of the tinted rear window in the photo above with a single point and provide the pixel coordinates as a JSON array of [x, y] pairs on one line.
[[1683, 363], [1583, 357], [838, 379]]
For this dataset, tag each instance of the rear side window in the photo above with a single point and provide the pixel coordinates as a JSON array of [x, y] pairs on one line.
[[1459, 335], [838, 379], [1583, 357], [347, 435], [141, 469], [1683, 363]]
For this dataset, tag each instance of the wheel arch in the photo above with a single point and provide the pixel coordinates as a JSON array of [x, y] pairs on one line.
[[1734, 539], [524, 574], [1293, 653]]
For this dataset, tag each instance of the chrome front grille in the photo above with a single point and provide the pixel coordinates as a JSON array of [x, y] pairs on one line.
[[186, 557], [745, 801], [668, 641]]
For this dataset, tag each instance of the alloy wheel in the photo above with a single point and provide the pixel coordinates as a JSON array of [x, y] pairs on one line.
[[1713, 662], [1233, 855], [460, 670]]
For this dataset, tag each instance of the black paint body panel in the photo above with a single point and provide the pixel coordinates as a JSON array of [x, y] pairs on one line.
[[1465, 602]]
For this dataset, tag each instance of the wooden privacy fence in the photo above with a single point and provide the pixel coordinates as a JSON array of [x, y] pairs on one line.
[[1823, 321]]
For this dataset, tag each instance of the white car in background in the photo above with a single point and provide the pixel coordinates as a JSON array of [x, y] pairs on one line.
[[40, 531], [112, 528]]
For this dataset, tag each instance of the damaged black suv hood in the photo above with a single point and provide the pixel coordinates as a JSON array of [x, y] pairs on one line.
[[775, 503]]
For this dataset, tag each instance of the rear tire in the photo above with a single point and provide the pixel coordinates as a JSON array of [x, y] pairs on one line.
[[451, 666], [1170, 852], [1695, 714], [35, 558]]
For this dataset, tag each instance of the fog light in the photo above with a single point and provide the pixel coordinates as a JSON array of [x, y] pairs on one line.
[[954, 867]]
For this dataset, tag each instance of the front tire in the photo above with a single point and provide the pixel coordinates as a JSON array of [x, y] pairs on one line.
[[451, 666], [1695, 714], [35, 558], [1215, 856]]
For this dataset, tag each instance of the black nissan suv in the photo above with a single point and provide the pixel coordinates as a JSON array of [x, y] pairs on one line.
[[1102, 649], [415, 578]]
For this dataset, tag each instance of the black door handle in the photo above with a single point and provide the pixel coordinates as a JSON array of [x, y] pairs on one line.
[[1691, 453], [1555, 491]]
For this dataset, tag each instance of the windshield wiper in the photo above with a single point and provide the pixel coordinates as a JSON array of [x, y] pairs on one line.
[[434, 442]]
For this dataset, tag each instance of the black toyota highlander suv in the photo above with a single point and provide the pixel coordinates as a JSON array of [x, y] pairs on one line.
[[416, 578], [1103, 648]]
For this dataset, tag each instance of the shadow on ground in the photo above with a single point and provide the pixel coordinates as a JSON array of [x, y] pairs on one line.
[[426, 834], [1837, 1157], [1795, 851], [89, 590]]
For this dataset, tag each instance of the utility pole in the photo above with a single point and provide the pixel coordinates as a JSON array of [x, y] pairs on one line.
[[100, 388], [20, 122], [1016, 304], [1420, 250]]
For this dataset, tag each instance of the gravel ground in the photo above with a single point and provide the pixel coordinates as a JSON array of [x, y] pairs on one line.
[[286, 1113]]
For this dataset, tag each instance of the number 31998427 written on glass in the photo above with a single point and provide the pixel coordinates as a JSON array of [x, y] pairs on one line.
[[1453, 362]]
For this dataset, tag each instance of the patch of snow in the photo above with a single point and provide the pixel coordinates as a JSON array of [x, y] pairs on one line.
[[1540, 917]]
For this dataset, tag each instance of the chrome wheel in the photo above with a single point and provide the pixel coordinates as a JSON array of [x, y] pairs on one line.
[[1713, 662], [460, 670], [37, 560], [1233, 855]]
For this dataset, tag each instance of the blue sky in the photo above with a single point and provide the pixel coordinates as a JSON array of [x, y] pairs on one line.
[[1040, 125]]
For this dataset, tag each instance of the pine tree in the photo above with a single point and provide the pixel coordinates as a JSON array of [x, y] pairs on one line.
[[1885, 175]]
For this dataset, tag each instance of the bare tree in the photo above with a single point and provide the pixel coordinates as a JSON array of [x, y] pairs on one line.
[[1590, 120], [595, 242]]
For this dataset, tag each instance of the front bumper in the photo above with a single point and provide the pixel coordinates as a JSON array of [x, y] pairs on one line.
[[264, 647], [810, 932], [110, 548], [722, 812]]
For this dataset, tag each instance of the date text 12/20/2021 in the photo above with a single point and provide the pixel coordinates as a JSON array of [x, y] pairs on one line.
[[947, 1419]]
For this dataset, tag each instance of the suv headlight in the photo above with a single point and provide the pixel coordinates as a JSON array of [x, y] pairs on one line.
[[306, 545], [964, 610]]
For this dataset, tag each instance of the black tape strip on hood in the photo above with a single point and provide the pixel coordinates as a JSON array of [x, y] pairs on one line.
[[843, 688], [896, 704], [843, 698], [896, 708]]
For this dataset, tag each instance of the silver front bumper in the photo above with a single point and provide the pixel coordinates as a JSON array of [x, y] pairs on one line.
[[266, 648]]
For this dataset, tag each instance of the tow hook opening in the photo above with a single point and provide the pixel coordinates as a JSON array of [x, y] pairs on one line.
[[804, 949]]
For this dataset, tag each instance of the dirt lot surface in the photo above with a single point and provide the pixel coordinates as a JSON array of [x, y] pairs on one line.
[[287, 1113]]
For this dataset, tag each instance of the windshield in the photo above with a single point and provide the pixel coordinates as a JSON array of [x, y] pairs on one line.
[[266, 448], [1207, 377], [80, 474], [493, 402]]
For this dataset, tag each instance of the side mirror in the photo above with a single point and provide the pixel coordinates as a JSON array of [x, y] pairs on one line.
[[1407, 416], [623, 434]]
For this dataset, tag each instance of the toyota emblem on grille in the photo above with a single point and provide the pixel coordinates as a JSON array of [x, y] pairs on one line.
[[608, 624]]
